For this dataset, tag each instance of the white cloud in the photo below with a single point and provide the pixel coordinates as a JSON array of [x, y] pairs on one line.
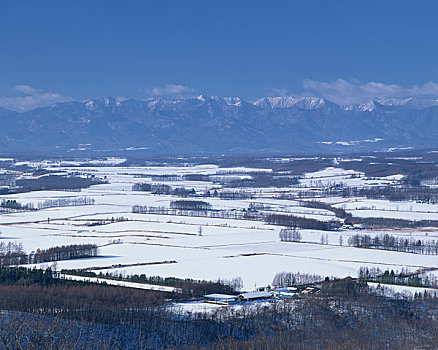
[[26, 98], [172, 91], [25, 89], [345, 92]]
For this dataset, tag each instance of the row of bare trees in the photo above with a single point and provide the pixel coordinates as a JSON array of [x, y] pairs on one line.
[[222, 214], [65, 202], [290, 235], [14, 254], [390, 242], [301, 222], [288, 279], [190, 205]]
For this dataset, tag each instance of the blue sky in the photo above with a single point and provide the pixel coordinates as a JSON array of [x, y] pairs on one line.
[[53, 50]]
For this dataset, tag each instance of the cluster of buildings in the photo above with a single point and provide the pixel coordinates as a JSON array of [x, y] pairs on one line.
[[261, 294], [354, 227]]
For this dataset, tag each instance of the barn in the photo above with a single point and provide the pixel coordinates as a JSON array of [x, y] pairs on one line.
[[222, 299], [251, 296]]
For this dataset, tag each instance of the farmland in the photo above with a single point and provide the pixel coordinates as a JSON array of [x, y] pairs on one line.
[[231, 240]]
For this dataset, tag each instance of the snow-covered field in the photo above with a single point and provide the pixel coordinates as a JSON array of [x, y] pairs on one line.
[[170, 246], [119, 283], [407, 291], [333, 176]]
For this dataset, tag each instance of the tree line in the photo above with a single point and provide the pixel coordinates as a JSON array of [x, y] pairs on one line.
[[290, 235], [396, 194], [285, 219], [264, 179], [339, 212], [370, 221], [188, 287], [272, 219], [57, 182], [289, 279], [164, 189], [424, 194], [222, 214], [65, 202], [296, 221], [48, 203], [13, 204], [403, 277], [190, 205], [391, 222], [14, 254], [22, 275], [390, 242], [175, 177]]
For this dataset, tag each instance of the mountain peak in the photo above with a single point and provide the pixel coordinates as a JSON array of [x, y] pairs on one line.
[[233, 101], [276, 102], [201, 97], [309, 103], [106, 102]]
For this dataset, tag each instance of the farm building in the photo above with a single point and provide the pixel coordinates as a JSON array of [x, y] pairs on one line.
[[267, 288], [222, 299], [359, 227], [286, 293], [309, 290], [251, 296]]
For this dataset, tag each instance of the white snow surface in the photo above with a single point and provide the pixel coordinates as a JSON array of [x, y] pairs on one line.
[[119, 283], [228, 248]]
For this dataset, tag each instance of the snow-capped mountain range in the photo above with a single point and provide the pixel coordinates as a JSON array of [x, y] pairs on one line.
[[315, 102], [208, 124]]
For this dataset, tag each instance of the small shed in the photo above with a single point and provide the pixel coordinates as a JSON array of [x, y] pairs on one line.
[[222, 299]]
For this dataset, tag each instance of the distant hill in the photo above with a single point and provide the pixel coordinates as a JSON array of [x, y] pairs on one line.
[[219, 125]]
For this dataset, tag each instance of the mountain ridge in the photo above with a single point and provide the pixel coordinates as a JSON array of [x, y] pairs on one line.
[[206, 124]]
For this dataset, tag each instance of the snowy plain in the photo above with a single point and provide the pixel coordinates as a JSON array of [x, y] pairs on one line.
[[170, 245]]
